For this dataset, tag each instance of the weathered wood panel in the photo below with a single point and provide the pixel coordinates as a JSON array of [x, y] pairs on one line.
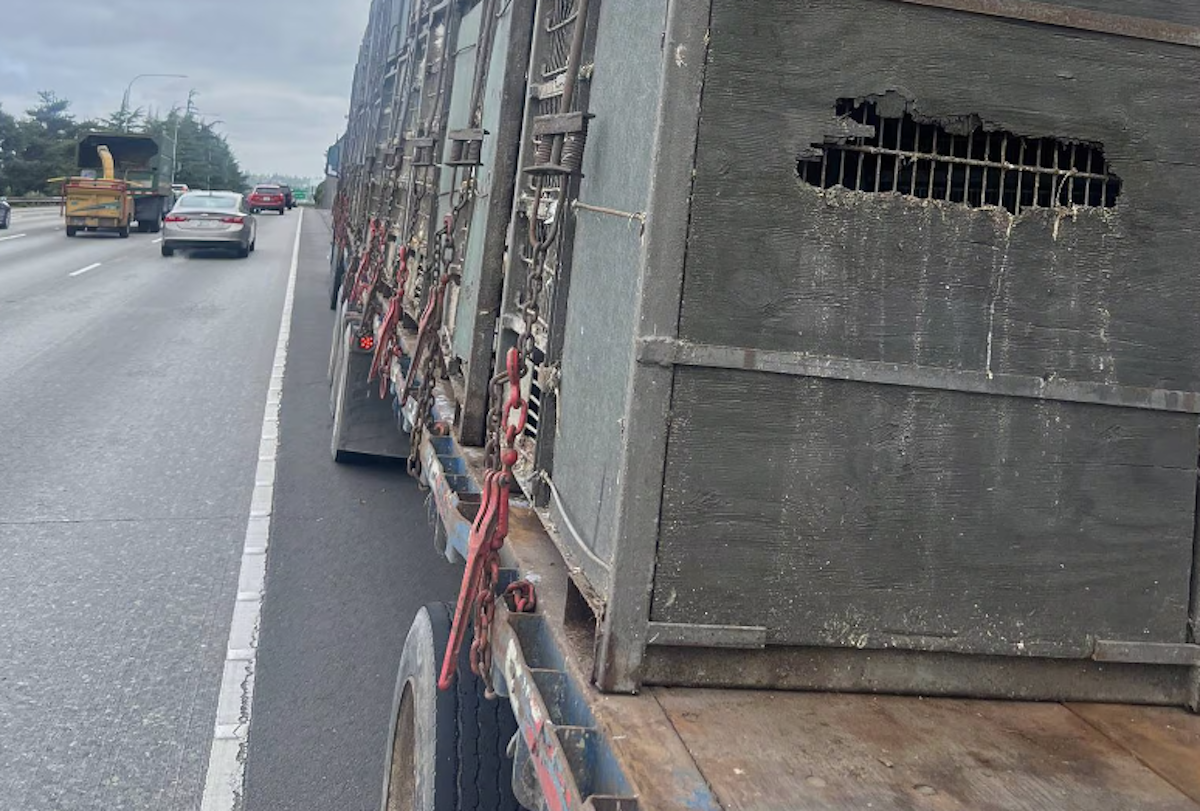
[[1182, 12], [862, 515], [1106, 295]]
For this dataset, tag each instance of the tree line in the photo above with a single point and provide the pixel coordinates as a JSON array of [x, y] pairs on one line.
[[41, 144]]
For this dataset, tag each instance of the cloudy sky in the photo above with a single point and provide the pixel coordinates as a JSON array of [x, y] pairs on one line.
[[277, 72]]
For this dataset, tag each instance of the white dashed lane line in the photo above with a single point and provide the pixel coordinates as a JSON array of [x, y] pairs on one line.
[[14, 236], [81, 271]]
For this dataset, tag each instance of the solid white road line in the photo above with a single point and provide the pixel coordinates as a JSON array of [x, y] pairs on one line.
[[14, 236], [227, 758], [81, 271], [156, 241]]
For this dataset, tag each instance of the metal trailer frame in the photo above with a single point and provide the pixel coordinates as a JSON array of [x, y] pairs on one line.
[[632, 650]]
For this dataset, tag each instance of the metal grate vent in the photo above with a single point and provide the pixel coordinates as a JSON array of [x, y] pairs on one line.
[[981, 168]]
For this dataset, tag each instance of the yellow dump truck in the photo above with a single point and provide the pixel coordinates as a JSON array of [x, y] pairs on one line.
[[98, 204]]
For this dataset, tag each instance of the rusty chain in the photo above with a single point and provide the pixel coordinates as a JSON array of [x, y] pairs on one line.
[[427, 364], [506, 420]]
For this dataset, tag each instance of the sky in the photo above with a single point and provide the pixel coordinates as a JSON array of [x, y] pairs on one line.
[[277, 72]]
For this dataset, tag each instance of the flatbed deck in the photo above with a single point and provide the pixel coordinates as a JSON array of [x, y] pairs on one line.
[[769, 750], [704, 749]]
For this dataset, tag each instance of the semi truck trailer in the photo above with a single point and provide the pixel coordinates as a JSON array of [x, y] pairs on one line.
[[808, 390]]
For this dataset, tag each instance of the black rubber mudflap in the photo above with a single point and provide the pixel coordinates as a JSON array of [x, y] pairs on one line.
[[363, 424]]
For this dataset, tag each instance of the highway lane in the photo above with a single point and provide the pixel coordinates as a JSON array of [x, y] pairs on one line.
[[131, 398], [351, 561], [26, 221], [131, 401]]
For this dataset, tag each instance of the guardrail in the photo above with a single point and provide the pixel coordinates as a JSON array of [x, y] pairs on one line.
[[32, 202]]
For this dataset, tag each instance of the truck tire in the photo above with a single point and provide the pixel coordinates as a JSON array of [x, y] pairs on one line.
[[72, 230], [484, 729], [446, 749], [123, 232]]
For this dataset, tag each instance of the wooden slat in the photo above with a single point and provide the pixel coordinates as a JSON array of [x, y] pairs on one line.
[[1069, 15], [821, 752], [1166, 740]]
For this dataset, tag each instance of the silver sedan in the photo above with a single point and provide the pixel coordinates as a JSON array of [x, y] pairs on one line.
[[210, 219]]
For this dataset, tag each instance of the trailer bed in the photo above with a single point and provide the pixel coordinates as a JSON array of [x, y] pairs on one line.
[[770, 750], [706, 749]]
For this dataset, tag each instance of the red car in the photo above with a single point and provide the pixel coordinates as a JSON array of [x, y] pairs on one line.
[[268, 198]]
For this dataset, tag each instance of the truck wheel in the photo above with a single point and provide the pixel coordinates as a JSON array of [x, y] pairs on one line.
[[155, 226], [123, 232], [72, 230], [447, 748], [484, 729]]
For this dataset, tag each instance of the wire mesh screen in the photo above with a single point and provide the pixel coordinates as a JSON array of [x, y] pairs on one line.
[[559, 25], [900, 155]]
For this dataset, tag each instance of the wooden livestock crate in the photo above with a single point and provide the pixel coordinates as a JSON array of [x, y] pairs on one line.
[[873, 361]]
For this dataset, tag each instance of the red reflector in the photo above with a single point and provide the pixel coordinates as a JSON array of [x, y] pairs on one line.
[[234, 220], [366, 342], [174, 218]]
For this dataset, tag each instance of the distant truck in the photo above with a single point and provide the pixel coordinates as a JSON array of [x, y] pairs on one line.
[[137, 162], [98, 203]]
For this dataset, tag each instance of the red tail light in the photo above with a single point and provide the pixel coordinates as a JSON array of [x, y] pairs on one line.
[[233, 220], [174, 218], [366, 342]]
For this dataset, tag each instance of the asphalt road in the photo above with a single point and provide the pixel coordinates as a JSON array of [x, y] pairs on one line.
[[351, 561], [131, 397], [130, 411]]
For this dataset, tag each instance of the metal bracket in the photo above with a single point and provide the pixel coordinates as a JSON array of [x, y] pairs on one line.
[[680, 635], [560, 748], [1177, 654], [663, 351], [423, 152], [560, 139], [466, 147]]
